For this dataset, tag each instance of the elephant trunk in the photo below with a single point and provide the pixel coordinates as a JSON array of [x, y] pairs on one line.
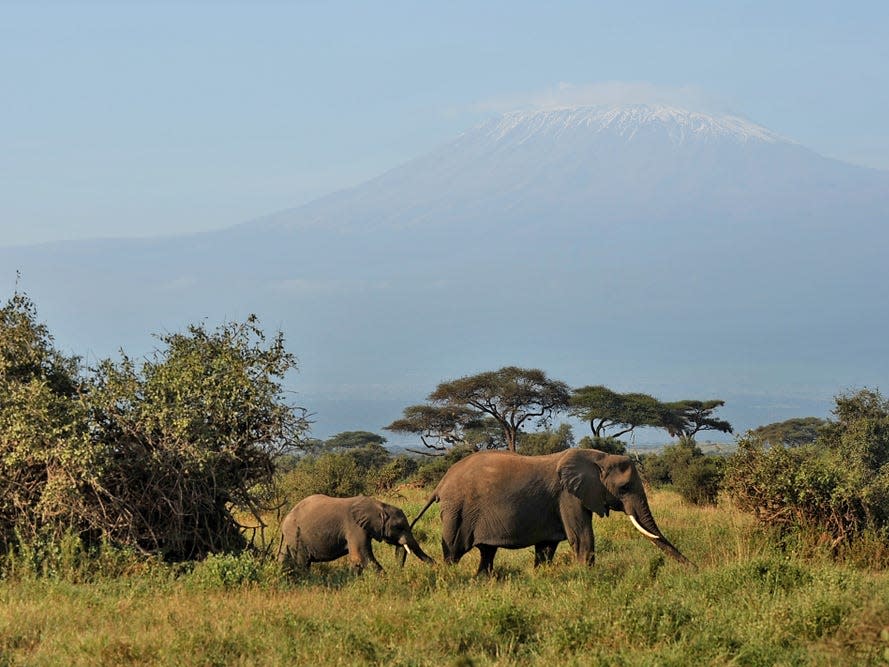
[[400, 555], [408, 545], [644, 522]]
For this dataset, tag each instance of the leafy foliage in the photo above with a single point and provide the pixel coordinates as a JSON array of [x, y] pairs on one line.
[[45, 451], [347, 464], [364, 447], [152, 456], [441, 427], [700, 479], [838, 485], [694, 475], [548, 441], [606, 409], [330, 474], [353, 440], [191, 433], [687, 418], [610, 445], [430, 473], [791, 432], [397, 470]]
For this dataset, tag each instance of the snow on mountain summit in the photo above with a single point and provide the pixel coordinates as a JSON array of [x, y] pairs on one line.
[[626, 122]]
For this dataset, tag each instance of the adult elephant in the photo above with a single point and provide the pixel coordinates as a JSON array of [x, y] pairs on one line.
[[491, 500], [321, 528]]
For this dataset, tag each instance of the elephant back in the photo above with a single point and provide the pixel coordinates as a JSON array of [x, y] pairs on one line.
[[501, 499]]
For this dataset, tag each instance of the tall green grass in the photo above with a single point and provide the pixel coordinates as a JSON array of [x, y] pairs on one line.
[[751, 601]]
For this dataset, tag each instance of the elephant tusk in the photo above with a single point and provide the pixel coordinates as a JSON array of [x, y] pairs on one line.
[[642, 530], [408, 549]]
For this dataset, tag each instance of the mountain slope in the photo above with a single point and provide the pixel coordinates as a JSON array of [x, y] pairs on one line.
[[596, 164]]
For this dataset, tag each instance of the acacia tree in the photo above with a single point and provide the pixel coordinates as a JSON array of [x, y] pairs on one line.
[[511, 397], [353, 440], [606, 409], [442, 427], [687, 418]]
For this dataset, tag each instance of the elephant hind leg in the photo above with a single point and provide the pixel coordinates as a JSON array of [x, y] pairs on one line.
[[486, 563], [294, 560], [544, 552], [453, 541], [449, 552]]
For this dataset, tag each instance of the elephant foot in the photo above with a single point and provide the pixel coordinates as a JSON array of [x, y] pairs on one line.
[[486, 563]]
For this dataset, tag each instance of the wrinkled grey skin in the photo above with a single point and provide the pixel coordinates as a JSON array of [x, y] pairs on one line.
[[491, 500], [320, 528]]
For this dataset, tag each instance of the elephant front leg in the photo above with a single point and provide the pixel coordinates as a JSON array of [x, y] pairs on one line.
[[578, 524], [361, 555], [585, 548], [544, 552], [486, 563]]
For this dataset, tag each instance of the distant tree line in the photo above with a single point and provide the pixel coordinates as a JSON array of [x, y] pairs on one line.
[[489, 411]]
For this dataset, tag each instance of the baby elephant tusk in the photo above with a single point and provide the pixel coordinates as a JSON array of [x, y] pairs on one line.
[[642, 530], [408, 549]]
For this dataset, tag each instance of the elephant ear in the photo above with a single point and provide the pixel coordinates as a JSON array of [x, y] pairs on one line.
[[580, 476], [369, 514]]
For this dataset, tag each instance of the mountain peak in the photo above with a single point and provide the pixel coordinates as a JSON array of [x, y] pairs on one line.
[[627, 122]]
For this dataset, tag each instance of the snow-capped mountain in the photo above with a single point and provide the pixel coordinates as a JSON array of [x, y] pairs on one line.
[[647, 248], [678, 125], [593, 166]]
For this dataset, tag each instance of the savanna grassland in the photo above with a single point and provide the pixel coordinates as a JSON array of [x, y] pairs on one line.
[[749, 602]]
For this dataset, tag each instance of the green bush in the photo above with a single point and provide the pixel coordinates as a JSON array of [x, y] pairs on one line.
[[548, 441], [694, 475], [45, 450], [362, 470], [699, 480], [330, 474], [154, 456], [68, 558], [392, 473], [656, 470], [431, 472], [232, 571], [607, 444], [791, 432], [837, 487]]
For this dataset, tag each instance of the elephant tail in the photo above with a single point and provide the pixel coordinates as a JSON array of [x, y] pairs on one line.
[[433, 498]]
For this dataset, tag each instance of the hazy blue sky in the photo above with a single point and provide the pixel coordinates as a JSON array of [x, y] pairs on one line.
[[128, 118]]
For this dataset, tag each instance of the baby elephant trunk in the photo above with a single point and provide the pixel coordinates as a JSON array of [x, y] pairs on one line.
[[408, 545]]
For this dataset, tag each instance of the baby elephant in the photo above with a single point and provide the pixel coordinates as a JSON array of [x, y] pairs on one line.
[[321, 528]]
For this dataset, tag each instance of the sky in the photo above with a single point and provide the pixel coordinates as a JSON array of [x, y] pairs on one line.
[[148, 118]]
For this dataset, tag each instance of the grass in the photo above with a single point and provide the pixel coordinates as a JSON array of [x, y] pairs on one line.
[[748, 603]]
